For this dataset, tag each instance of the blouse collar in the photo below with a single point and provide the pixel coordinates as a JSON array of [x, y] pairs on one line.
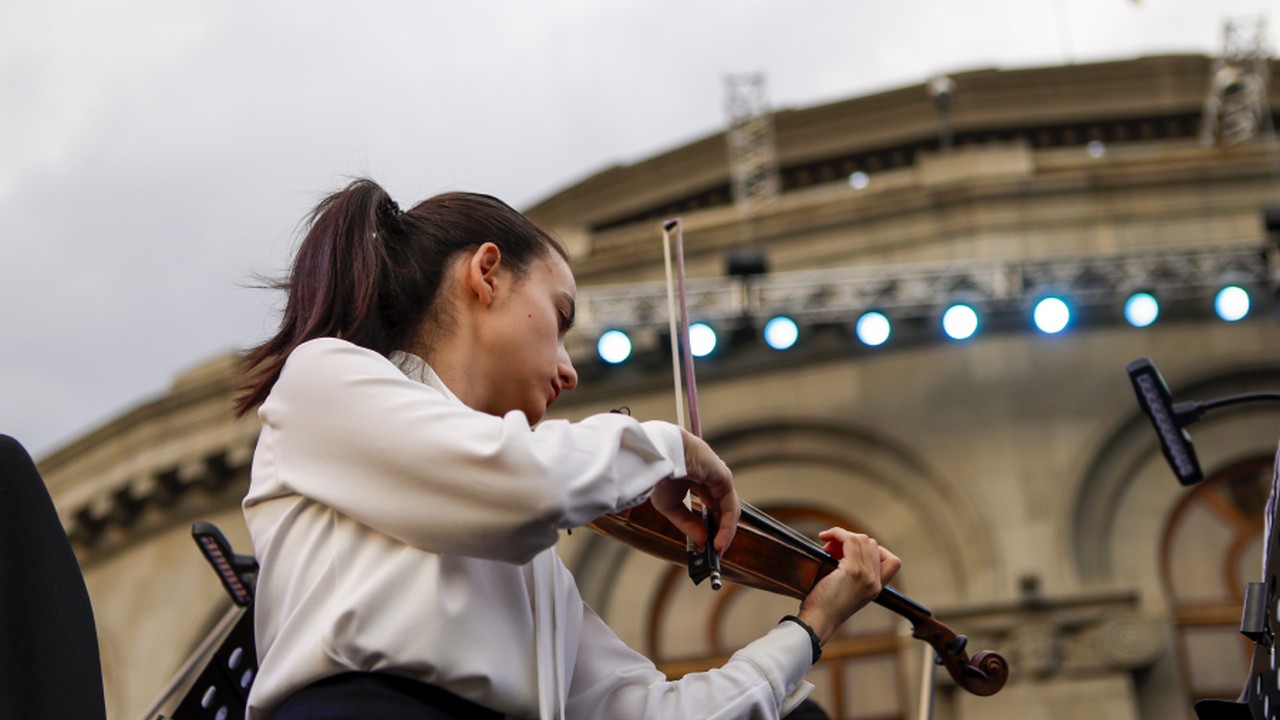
[[418, 370]]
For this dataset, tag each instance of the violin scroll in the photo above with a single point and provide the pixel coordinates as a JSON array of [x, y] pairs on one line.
[[995, 667], [983, 674]]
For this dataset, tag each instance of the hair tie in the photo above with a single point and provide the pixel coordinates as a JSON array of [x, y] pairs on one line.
[[390, 209]]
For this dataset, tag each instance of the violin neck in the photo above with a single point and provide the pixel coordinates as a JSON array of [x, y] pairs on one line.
[[891, 599]]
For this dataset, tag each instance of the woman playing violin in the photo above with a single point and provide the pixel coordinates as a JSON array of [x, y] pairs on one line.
[[405, 498]]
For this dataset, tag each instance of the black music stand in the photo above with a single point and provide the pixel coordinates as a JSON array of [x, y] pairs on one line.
[[1260, 699], [221, 690]]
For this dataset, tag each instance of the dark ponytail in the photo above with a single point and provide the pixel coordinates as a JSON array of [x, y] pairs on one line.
[[370, 274]]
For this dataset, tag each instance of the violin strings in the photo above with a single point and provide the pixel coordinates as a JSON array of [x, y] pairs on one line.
[[765, 522]]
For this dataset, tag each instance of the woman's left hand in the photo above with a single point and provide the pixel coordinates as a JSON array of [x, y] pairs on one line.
[[865, 568]]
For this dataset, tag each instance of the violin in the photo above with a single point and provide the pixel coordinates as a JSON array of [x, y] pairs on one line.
[[768, 555]]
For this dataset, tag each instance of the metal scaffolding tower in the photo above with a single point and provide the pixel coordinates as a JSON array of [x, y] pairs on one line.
[[1236, 108], [753, 157]]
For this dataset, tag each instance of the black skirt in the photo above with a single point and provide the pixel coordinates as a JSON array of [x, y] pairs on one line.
[[377, 696]]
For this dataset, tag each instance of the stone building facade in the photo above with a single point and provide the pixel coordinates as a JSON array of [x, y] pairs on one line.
[[1012, 472]]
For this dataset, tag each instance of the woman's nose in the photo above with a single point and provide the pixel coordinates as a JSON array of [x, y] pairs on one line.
[[568, 375]]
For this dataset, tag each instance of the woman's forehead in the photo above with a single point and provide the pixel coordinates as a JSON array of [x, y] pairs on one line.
[[557, 272]]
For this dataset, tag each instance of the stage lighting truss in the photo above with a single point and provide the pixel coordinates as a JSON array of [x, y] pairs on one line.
[[904, 292]]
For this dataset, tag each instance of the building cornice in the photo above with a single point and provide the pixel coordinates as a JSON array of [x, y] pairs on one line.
[[169, 460]]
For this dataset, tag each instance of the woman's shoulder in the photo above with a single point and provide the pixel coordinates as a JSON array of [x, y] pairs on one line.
[[330, 346], [324, 345], [321, 370], [327, 355]]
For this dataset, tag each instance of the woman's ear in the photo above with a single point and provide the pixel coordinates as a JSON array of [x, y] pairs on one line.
[[482, 272]]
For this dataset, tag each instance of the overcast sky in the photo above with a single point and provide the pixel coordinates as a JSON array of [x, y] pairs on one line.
[[156, 153]]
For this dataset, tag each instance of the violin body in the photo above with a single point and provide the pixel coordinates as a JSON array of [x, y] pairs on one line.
[[768, 556], [746, 562]]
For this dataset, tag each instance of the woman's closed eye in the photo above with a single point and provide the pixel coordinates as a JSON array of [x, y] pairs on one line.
[[567, 318]]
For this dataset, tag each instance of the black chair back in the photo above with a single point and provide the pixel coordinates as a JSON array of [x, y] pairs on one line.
[[49, 663]]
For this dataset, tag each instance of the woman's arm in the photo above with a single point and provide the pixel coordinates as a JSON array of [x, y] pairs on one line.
[[761, 681], [344, 427]]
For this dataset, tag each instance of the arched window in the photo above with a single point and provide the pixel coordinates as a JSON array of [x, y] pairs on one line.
[[1213, 545]]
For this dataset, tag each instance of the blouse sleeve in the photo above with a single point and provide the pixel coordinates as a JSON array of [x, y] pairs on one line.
[[764, 680], [345, 427]]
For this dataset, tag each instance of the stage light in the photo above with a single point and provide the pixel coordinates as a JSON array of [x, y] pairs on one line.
[[614, 346], [1141, 309], [873, 328], [781, 332], [859, 180], [702, 339], [960, 321], [1096, 149], [1051, 315], [1231, 303]]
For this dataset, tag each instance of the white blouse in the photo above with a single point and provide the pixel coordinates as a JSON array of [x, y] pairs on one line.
[[400, 531]]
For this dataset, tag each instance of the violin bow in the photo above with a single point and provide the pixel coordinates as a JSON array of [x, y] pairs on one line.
[[703, 564]]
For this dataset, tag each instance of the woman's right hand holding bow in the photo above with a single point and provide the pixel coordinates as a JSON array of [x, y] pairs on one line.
[[710, 479]]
